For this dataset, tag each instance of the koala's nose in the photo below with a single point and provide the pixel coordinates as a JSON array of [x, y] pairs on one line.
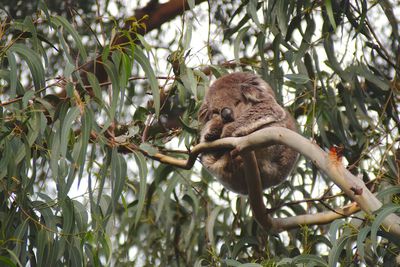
[[227, 115]]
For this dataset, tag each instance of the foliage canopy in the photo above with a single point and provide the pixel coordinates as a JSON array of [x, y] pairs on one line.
[[86, 104]]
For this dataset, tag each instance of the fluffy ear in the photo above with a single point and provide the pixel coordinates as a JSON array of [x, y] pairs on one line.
[[203, 112], [254, 89]]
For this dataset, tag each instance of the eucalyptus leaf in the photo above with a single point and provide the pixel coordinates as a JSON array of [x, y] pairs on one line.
[[141, 162], [34, 63]]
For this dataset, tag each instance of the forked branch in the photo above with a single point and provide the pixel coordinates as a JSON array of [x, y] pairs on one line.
[[352, 186]]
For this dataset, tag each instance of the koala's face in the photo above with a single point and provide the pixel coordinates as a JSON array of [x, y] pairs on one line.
[[221, 108], [227, 99], [236, 105]]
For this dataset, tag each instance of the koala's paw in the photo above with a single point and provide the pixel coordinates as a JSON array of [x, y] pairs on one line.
[[213, 135]]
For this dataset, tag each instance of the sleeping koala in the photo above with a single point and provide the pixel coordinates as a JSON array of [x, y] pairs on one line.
[[238, 104]]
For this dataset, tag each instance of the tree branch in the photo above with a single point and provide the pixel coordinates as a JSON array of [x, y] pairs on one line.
[[157, 14], [352, 186]]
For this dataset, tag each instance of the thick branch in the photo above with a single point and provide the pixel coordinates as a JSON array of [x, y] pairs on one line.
[[351, 185], [157, 14]]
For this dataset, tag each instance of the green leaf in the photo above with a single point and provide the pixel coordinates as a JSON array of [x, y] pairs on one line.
[[329, 11], [164, 196], [295, 23], [113, 74], [362, 235], [191, 4], [13, 72], [334, 229], [72, 114], [337, 249], [218, 71], [310, 260], [252, 10], [27, 96], [64, 47], [350, 109], [149, 149], [61, 21], [306, 41], [5, 74], [141, 163], [298, 78], [118, 176], [42, 6], [20, 237], [384, 212], [388, 191], [187, 38], [75, 257], [242, 244], [365, 72], [67, 215], [95, 86], [87, 125], [250, 265], [34, 63], [127, 67], [188, 80], [47, 214], [68, 70], [42, 241], [55, 151], [282, 16], [212, 218], [232, 262], [236, 45], [34, 126], [80, 215], [7, 262], [144, 62]]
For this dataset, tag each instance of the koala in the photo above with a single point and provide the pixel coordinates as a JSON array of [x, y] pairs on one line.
[[238, 104]]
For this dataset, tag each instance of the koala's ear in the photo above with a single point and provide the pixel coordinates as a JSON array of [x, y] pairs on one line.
[[251, 94], [255, 89], [203, 112]]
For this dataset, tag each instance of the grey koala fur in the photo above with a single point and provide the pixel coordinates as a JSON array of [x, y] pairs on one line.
[[238, 104]]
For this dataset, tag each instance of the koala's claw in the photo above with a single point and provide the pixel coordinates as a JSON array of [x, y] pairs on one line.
[[234, 153], [211, 136]]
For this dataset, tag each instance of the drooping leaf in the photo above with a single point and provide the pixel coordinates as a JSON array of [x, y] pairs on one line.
[[141, 163], [70, 117], [13, 72], [329, 11], [238, 41], [298, 78], [143, 61], [61, 21], [34, 63], [252, 10], [384, 212], [148, 148], [118, 176], [211, 224], [361, 239]]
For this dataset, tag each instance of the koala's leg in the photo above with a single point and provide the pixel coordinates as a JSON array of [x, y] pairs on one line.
[[254, 188]]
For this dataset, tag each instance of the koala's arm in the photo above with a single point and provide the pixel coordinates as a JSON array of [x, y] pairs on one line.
[[260, 114]]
